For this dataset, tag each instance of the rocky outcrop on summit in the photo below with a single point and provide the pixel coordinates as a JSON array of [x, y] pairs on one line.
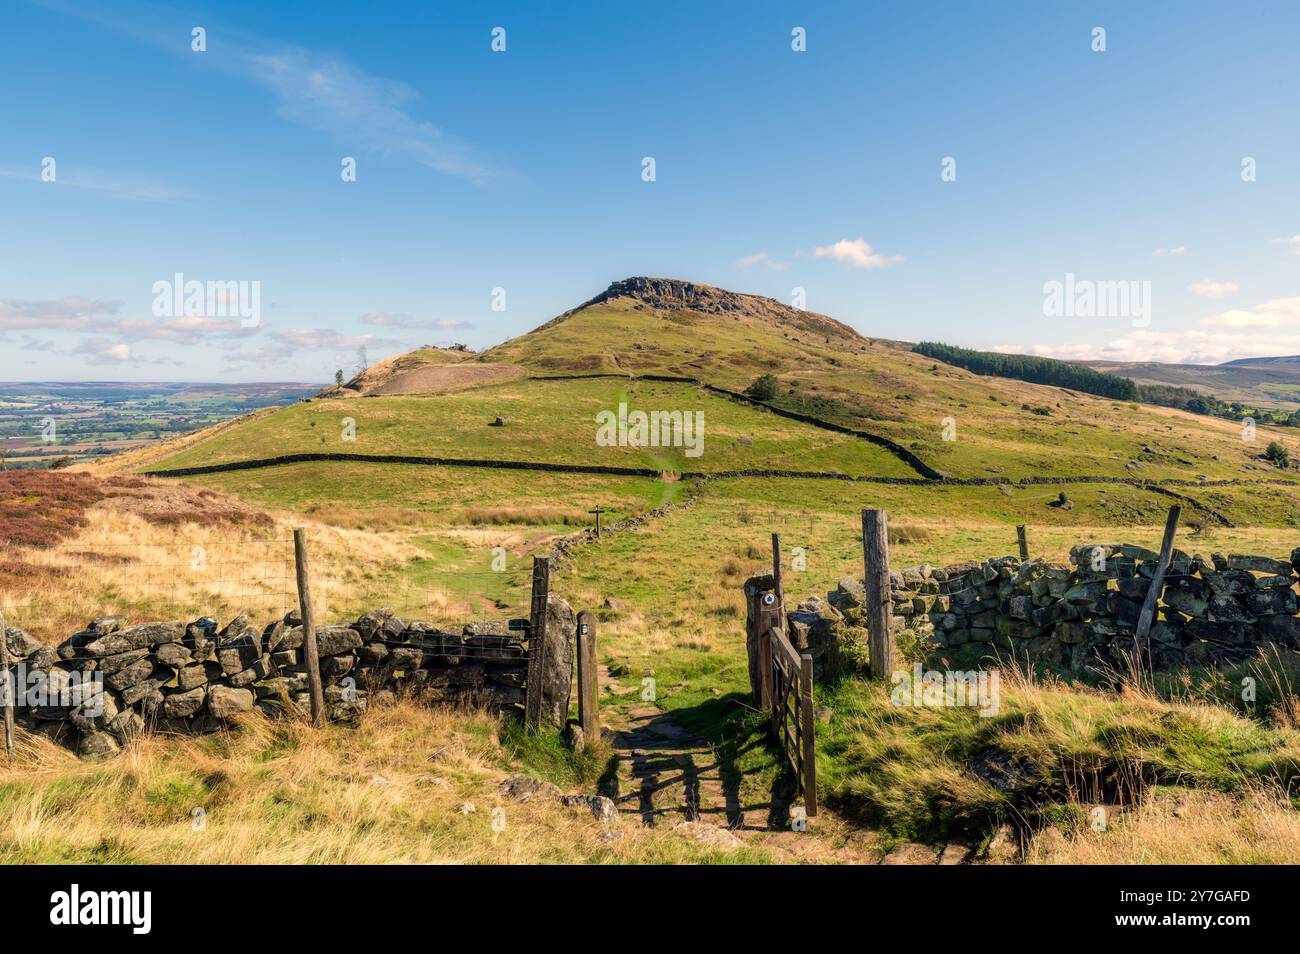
[[672, 294]]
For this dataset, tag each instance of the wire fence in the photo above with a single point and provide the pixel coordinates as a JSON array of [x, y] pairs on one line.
[[59, 592]]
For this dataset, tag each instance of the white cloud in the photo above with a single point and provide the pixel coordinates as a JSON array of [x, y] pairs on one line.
[[384, 319], [70, 313], [1267, 330], [858, 253], [104, 352], [1177, 250], [763, 259], [1292, 240], [76, 313], [1207, 288]]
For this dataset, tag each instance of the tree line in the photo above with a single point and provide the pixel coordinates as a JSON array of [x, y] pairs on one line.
[[1076, 377]]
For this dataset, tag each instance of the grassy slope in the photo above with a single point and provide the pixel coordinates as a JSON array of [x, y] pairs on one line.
[[551, 421], [898, 394]]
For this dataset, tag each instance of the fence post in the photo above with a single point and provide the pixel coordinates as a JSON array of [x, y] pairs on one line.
[[537, 642], [310, 651], [776, 569], [588, 688], [8, 689], [1140, 638], [808, 757], [880, 605], [1024, 543]]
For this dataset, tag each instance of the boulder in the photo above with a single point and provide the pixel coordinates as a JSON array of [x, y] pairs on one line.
[[135, 637], [225, 702]]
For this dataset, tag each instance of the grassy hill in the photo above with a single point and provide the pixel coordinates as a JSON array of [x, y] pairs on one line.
[[667, 587], [999, 428]]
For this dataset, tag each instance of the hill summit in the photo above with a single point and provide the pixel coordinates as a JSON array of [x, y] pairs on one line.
[[675, 294]]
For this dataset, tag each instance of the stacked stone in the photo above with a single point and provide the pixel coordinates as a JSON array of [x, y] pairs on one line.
[[1213, 610], [195, 677]]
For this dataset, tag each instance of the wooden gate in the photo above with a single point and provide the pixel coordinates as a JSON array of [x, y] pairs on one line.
[[788, 692]]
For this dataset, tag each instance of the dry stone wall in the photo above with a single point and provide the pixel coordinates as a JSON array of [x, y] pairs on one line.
[[1081, 617], [110, 682]]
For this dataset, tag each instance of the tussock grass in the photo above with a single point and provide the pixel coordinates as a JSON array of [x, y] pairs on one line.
[[393, 790], [916, 770]]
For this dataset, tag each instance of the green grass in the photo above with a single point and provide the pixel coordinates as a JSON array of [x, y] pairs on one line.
[[909, 769], [896, 393], [549, 421]]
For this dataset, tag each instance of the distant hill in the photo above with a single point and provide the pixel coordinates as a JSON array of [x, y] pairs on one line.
[[1264, 362], [1261, 382]]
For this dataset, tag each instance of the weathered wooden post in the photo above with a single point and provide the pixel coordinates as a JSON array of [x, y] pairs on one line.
[[880, 605], [598, 511], [1141, 636], [1024, 543], [762, 614], [808, 755], [537, 642], [311, 652], [7, 688], [588, 687], [777, 584]]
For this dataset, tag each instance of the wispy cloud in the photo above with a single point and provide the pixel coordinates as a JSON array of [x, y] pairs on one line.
[[359, 110], [1208, 288], [1166, 252], [115, 185], [78, 314], [761, 259], [857, 253], [1291, 240], [384, 319]]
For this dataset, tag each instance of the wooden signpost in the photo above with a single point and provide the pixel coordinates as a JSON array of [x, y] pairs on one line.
[[598, 511]]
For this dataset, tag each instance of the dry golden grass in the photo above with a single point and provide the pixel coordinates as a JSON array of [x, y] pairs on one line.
[[121, 563], [394, 790], [1190, 828]]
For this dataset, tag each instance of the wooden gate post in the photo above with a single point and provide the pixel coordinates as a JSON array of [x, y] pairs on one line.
[[880, 605], [310, 651], [10, 686], [537, 642], [1140, 638], [1024, 543], [588, 689], [777, 583], [807, 736]]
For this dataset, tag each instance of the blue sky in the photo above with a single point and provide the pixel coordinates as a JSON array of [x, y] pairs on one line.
[[522, 170]]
